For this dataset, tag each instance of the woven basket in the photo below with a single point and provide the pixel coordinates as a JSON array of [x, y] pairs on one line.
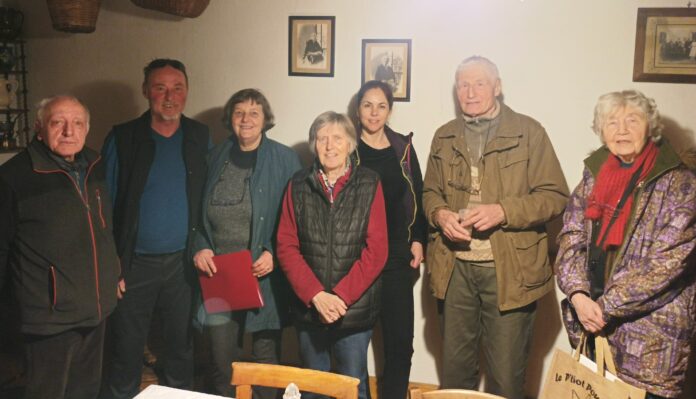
[[182, 8], [77, 16]]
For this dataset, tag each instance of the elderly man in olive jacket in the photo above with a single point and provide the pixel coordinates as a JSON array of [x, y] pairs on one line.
[[492, 182]]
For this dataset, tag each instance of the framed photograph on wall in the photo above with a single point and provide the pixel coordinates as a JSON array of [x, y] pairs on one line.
[[388, 60], [311, 46], [665, 45]]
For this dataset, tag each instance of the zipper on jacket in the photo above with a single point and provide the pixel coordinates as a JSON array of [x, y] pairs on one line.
[[634, 224], [85, 201], [54, 285], [409, 180], [101, 213], [78, 181], [329, 256], [96, 264], [95, 259]]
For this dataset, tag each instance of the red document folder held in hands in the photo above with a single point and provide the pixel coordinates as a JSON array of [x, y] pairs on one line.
[[233, 287]]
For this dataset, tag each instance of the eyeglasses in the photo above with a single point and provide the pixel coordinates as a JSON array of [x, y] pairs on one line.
[[463, 187], [222, 197]]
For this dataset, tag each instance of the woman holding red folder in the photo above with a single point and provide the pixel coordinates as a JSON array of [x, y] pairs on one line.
[[247, 174]]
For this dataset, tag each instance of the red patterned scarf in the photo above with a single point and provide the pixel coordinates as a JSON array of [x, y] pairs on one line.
[[610, 184]]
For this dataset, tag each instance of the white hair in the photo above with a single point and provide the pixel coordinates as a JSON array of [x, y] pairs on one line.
[[479, 60], [44, 104], [609, 103]]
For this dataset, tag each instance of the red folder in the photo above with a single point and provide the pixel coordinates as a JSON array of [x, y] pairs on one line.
[[233, 287]]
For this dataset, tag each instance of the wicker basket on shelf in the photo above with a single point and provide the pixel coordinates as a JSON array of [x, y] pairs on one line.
[[75, 16], [182, 8]]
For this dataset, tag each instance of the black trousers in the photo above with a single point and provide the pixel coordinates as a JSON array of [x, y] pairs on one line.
[[156, 283], [66, 365], [396, 318]]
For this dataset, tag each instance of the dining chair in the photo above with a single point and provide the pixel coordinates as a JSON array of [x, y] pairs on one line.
[[246, 375], [417, 393]]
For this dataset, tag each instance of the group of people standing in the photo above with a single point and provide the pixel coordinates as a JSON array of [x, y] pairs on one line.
[[336, 245]]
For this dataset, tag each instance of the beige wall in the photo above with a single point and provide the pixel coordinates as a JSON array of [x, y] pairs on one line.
[[555, 57]]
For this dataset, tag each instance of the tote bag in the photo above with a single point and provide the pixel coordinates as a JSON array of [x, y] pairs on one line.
[[574, 376]]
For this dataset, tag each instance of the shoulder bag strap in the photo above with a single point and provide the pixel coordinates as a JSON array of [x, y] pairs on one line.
[[597, 256]]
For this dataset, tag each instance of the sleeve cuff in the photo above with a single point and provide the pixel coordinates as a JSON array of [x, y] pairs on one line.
[[570, 296], [433, 219], [308, 300], [341, 295]]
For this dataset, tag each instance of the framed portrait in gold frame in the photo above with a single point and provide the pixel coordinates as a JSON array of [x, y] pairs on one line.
[[665, 45]]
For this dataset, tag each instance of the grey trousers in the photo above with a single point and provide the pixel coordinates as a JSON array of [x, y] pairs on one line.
[[226, 333], [473, 323]]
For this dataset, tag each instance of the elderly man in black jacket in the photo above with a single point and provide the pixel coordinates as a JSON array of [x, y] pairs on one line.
[[57, 252]]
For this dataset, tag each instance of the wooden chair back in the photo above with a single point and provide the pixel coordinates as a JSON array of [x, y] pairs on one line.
[[417, 393], [246, 375]]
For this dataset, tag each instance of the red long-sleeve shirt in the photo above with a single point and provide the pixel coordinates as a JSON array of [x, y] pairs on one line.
[[362, 273]]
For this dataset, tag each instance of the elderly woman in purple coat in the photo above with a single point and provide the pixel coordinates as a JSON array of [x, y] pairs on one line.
[[625, 260]]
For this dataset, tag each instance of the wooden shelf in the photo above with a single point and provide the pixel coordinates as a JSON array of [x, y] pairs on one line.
[[18, 110]]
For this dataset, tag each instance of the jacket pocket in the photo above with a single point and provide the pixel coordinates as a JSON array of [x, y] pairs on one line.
[[52, 287], [514, 169], [439, 264], [531, 250], [512, 157]]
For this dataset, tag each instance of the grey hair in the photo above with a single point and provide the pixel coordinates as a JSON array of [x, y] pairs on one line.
[[331, 117], [609, 103], [256, 97], [44, 104], [479, 60]]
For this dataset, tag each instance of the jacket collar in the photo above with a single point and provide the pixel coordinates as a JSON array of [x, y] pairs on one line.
[[41, 160], [667, 159], [507, 135], [399, 143], [232, 142], [395, 138], [353, 161]]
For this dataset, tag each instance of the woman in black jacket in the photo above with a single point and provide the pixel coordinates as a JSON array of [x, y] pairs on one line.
[[392, 156]]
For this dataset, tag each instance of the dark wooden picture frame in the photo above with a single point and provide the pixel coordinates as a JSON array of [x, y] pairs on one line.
[[388, 60], [665, 45], [311, 46]]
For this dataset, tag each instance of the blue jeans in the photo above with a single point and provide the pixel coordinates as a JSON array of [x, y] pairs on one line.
[[349, 348]]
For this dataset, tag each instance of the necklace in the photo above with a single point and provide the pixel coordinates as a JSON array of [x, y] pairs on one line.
[[477, 163]]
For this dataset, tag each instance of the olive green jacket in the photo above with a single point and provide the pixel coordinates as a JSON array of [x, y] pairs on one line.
[[523, 175]]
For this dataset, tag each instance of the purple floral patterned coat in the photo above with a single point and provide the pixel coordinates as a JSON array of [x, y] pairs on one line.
[[650, 297]]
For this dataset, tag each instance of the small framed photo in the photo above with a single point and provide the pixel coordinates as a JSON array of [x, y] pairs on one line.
[[311, 46], [388, 60], [665, 45]]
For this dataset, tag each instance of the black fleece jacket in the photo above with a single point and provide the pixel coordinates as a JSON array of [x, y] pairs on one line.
[[56, 243]]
